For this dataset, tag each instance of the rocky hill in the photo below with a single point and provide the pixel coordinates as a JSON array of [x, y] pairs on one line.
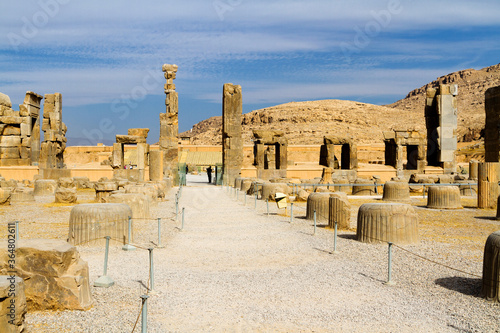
[[472, 85], [308, 122]]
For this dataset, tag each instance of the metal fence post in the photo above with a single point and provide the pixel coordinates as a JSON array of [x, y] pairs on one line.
[[176, 208], [182, 226], [151, 270], [291, 212], [144, 314], [245, 198], [389, 266], [237, 194], [128, 247], [315, 222], [104, 280], [159, 233], [255, 203], [335, 238], [267, 203]]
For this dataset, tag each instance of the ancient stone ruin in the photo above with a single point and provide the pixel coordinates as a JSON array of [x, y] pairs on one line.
[[12, 318], [169, 126], [444, 197], [490, 288], [232, 142], [138, 137], [20, 131], [55, 276], [441, 123], [270, 154], [90, 223], [387, 222], [405, 150], [347, 150], [54, 133], [492, 125]]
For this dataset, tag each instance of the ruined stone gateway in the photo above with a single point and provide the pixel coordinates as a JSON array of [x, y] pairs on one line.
[[270, 154], [405, 146]]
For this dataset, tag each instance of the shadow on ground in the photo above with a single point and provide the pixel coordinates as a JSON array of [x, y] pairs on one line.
[[463, 285]]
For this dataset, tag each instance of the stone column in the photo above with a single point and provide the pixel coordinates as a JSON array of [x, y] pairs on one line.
[[31, 106], [441, 122], [54, 138], [155, 165], [118, 161], [169, 126], [142, 159], [232, 142], [487, 193], [491, 129]]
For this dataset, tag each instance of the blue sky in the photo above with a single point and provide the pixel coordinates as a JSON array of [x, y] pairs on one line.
[[105, 57]]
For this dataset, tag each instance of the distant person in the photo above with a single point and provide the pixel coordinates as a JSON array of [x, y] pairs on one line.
[[209, 174], [187, 169]]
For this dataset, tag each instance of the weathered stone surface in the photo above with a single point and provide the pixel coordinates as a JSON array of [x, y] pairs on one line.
[[269, 190], [441, 123], [490, 288], [387, 222], [150, 191], [169, 126], [22, 194], [5, 195], [349, 154], [45, 187], [246, 184], [339, 211], [364, 187], [342, 185], [405, 145], [82, 182], [396, 191], [232, 142], [318, 202], [161, 186], [5, 100], [66, 182], [12, 304], [90, 223], [302, 195], [138, 203], [130, 139], [142, 132], [492, 123], [66, 195], [54, 139], [103, 189], [444, 197], [270, 154], [155, 165], [487, 191], [55, 276]]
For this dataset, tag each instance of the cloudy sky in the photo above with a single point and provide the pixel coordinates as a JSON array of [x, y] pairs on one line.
[[105, 57]]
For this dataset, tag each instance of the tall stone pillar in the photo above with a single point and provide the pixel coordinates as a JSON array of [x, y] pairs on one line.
[[487, 190], [31, 129], [156, 165], [54, 138], [169, 126], [491, 128], [232, 142], [441, 122]]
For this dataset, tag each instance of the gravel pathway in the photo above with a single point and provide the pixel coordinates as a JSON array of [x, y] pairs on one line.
[[232, 268]]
